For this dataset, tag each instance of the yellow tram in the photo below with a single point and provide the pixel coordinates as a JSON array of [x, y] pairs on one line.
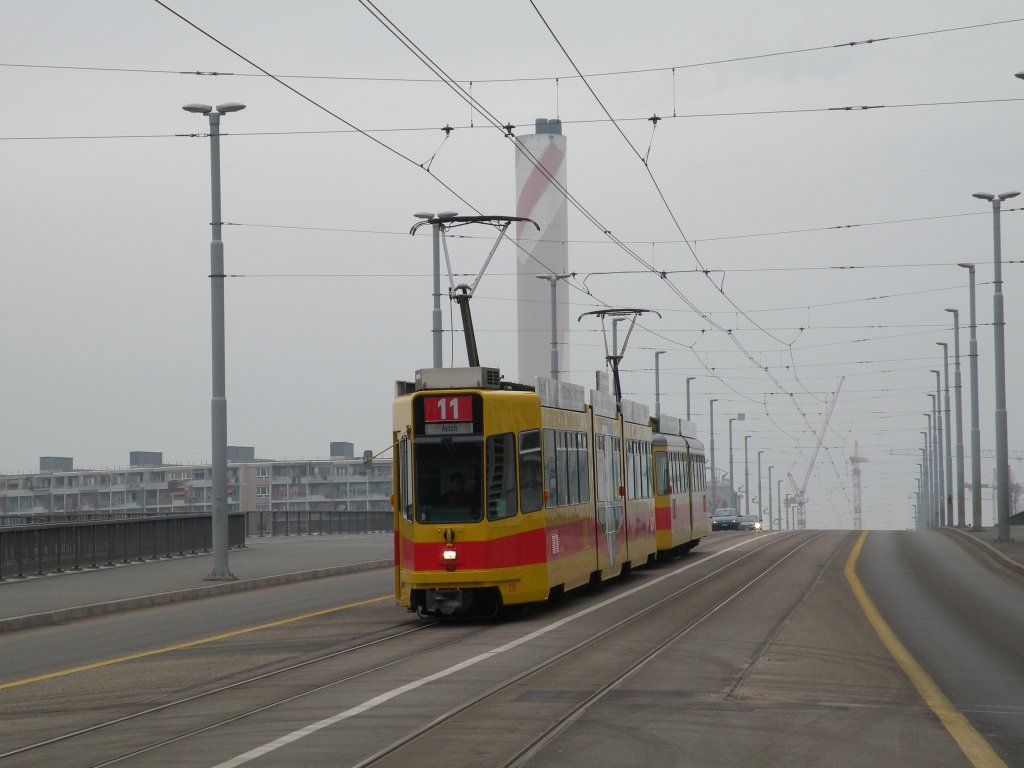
[[507, 495]]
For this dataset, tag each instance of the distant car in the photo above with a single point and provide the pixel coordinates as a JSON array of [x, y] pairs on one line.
[[749, 523], [725, 519]]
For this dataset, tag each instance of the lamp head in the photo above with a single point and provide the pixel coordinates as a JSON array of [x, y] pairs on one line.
[[1008, 195], [447, 215], [199, 109], [984, 196], [954, 311], [422, 215], [231, 106], [932, 370], [942, 344], [966, 265], [1020, 75]]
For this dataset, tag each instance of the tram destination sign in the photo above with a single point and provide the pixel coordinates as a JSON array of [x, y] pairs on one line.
[[449, 414]]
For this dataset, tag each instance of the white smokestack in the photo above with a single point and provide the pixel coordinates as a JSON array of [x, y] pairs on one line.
[[538, 199]]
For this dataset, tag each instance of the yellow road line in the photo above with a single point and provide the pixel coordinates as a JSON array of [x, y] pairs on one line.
[[971, 743], [190, 643]]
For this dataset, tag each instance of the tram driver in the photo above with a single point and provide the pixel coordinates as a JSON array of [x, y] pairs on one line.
[[458, 495]]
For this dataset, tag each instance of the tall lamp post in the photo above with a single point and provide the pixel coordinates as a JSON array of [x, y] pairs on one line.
[[972, 356], [935, 460], [436, 222], [732, 482], [926, 488], [657, 385], [218, 402], [760, 509], [1002, 439], [771, 524], [940, 447], [935, 464], [961, 514], [714, 478], [949, 433], [553, 279], [746, 475], [688, 380]]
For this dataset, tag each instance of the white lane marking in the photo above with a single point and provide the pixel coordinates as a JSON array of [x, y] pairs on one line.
[[395, 692]]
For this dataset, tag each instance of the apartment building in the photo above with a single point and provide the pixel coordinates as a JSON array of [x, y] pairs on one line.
[[148, 486]]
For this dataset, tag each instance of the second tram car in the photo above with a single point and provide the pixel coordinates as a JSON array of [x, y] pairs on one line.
[[507, 495]]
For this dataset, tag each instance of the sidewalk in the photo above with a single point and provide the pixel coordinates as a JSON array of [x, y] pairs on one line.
[[1009, 553], [58, 598]]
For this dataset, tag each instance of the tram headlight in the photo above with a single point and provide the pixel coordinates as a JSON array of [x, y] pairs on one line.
[[449, 554]]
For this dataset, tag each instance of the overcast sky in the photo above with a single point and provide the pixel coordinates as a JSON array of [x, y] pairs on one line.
[[105, 300]]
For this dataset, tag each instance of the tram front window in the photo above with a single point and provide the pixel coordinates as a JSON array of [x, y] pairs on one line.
[[447, 481]]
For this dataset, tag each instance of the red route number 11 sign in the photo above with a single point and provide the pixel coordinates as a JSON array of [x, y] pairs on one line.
[[448, 408]]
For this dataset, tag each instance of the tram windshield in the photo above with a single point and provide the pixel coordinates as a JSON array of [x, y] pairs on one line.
[[448, 486]]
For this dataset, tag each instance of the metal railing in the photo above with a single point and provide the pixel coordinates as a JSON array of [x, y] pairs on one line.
[[312, 523], [48, 548]]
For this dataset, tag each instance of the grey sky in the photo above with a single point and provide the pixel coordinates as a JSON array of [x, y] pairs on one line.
[[105, 300]]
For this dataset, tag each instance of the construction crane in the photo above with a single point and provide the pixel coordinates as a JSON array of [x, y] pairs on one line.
[[800, 493], [856, 460]]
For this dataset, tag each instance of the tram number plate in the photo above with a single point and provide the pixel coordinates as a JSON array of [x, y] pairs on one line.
[[451, 408]]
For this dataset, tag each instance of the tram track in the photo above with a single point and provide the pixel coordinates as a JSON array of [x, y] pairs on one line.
[[397, 751], [394, 752], [235, 686]]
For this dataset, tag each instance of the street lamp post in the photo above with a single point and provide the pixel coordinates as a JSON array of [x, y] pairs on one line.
[[926, 497], [1002, 438], [714, 478], [218, 401], [972, 356], [760, 509], [917, 506], [688, 380], [961, 514], [732, 483], [746, 475], [436, 222], [940, 448], [771, 524], [935, 460], [949, 434], [657, 385], [553, 279]]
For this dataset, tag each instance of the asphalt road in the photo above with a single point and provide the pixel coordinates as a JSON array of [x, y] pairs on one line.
[[753, 650]]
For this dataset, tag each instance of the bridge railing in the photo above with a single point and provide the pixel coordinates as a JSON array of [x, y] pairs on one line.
[[311, 523], [37, 549]]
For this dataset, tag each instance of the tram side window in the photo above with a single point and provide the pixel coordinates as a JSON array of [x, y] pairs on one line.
[[645, 465], [584, 459], [661, 473], [531, 471], [617, 480], [550, 473], [573, 456], [562, 455], [404, 497], [601, 459], [702, 477], [501, 476]]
